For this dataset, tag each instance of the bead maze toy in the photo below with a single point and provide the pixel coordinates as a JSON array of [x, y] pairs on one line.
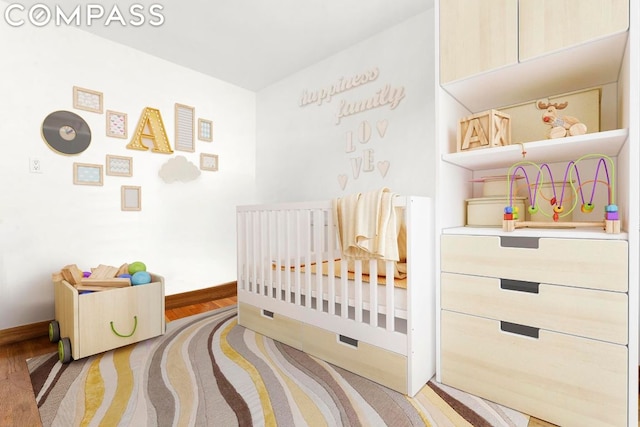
[[611, 220]]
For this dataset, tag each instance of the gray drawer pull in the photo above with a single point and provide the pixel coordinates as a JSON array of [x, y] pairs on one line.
[[520, 286], [349, 341], [520, 242], [267, 313], [518, 329]]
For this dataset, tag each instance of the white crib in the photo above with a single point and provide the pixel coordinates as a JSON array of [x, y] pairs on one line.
[[374, 325]]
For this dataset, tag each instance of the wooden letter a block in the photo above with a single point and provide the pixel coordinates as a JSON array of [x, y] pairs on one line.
[[490, 128]]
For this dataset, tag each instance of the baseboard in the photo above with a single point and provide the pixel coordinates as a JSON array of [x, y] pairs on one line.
[[24, 332], [200, 296], [41, 329]]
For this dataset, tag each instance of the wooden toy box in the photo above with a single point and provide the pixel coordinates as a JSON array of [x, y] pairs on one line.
[[100, 321]]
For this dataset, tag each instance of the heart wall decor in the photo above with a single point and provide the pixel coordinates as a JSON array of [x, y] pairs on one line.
[[382, 127], [383, 167], [342, 180]]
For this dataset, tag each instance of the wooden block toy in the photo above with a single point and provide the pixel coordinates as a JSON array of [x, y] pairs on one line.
[[490, 128], [124, 269], [104, 272], [71, 273], [114, 282]]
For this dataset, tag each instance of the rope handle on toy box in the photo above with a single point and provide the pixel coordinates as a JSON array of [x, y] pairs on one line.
[[135, 326]]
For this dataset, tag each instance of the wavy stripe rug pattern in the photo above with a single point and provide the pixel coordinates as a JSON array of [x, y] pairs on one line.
[[208, 371]]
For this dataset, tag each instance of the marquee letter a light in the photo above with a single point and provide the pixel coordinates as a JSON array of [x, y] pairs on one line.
[[151, 127]]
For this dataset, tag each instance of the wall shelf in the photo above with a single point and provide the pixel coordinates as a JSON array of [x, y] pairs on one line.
[[608, 143]]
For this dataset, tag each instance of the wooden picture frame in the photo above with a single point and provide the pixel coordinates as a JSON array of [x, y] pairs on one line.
[[184, 119], [87, 174], [205, 130], [116, 125], [119, 165], [87, 99], [130, 198], [208, 162]]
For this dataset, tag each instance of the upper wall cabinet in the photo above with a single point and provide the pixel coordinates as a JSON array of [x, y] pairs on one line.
[[550, 25], [557, 40], [477, 36]]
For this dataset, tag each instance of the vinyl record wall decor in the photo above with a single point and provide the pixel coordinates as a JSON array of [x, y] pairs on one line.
[[66, 132]]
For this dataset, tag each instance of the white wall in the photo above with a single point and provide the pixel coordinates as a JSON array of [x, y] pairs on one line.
[[302, 151], [185, 231]]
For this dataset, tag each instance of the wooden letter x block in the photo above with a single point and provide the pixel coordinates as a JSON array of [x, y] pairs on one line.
[[490, 128]]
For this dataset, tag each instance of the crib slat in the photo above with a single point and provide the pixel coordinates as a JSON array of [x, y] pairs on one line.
[[373, 292], [358, 288], [344, 301], [287, 256], [307, 258], [390, 297], [242, 262], [268, 261], [331, 242], [247, 255], [318, 225], [279, 250], [297, 237]]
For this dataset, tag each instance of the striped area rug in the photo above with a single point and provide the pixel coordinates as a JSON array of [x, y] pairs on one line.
[[208, 371]]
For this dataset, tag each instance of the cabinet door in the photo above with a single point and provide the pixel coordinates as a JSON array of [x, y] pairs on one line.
[[477, 36], [550, 25]]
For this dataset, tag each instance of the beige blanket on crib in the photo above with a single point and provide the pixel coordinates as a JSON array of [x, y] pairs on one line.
[[367, 225]]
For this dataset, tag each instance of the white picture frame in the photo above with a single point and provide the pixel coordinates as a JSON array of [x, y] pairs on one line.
[[87, 99], [130, 198], [87, 174], [116, 125], [184, 119], [208, 162], [119, 165], [205, 130]]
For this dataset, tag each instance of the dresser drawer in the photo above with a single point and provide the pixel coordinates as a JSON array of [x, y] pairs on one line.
[[560, 378], [586, 263], [584, 312]]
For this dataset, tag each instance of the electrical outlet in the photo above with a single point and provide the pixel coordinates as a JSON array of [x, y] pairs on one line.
[[35, 166]]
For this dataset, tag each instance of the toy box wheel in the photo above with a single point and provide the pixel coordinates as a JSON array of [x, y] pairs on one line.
[[54, 331], [64, 350]]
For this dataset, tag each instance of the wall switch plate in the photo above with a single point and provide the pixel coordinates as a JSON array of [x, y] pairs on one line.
[[35, 166]]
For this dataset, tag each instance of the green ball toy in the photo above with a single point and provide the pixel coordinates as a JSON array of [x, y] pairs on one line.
[[134, 267]]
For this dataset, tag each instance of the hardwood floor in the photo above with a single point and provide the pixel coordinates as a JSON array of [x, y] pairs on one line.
[[18, 402], [18, 406]]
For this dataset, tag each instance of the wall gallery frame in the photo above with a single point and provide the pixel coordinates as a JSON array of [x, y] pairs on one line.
[[130, 198], [184, 116], [87, 174], [116, 124], [88, 100], [119, 165], [205, 130], [208, 162]]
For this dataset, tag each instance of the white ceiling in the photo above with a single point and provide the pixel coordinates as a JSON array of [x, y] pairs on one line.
[[253, 43]]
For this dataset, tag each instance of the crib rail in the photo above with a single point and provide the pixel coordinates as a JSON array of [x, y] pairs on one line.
[[277, 247]]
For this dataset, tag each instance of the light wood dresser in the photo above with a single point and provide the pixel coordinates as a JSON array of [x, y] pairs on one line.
[[538, 324]]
